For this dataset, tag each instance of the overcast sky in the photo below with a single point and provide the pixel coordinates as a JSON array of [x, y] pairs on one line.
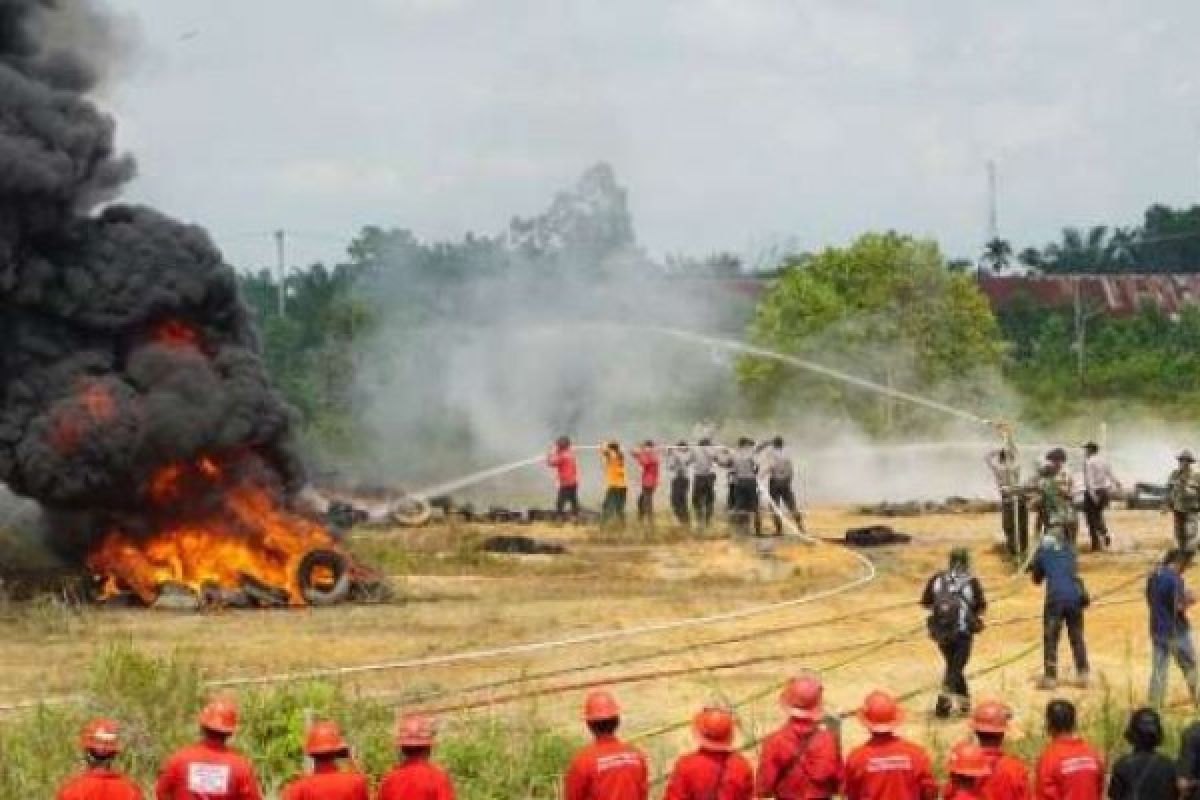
[[733, 123]]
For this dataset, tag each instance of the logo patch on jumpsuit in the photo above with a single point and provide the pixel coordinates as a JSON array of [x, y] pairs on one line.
[[205, 779]]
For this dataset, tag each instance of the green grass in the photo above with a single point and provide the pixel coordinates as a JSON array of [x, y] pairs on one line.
[[157, 700]]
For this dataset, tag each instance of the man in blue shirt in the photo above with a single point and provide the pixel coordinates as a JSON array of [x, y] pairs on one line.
[[1170, 633], [1055, 565]]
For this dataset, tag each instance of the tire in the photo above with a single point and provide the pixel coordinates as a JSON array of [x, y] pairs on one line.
[[411, 511], [331, 560]]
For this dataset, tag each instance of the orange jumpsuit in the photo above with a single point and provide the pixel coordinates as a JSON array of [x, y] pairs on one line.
[[327, 782], [608, 769], [708, 775], [799, 762], [416, 779], [1070, 769], [99, 784], [207, 771], [889, 768]]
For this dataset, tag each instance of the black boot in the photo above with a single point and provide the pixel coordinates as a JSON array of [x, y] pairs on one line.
[[944, 707]]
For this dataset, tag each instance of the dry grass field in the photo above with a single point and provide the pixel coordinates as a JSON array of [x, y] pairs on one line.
[[453, 597]]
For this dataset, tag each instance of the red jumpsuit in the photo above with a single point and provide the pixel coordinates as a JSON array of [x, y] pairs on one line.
[[961, 793], [889, 768], [1009, 779], [99, 784], [799, 762], [416, 779], [207, 771], [327, 782], [607, 769], [708, 775], [1070, 769]]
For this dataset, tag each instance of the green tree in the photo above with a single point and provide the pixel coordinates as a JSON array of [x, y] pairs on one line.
[[886, 308], [997, 255]]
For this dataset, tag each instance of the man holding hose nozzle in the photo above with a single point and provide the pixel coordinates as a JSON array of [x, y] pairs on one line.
[[566, 469], [1014, 507]]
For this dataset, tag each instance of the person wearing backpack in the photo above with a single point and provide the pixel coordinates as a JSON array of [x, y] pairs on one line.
[[1144, 774], [956, 604]]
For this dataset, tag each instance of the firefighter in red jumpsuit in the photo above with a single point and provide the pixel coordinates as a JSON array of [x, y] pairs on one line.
[[210, 770], [715, 771], [968, 770], [607, 769], [416, 777], [101, 743], [801, 760], [1069, 768], [887, 767], [325, 746], [1009, 778]]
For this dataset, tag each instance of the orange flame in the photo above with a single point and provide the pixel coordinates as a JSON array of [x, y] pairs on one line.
[[174, 333], [249, 534]]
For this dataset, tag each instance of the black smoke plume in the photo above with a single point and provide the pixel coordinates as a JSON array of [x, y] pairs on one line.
[[124, 346]]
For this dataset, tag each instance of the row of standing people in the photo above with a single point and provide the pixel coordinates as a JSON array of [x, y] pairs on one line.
[[693, 480], [802, 760], [1055, 495]]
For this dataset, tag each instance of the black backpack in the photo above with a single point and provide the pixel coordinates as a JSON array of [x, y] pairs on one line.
[[949, 602]]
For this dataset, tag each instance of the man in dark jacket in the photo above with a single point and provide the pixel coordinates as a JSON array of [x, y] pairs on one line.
[[956, 605], [1170, 631], [1055, 565]]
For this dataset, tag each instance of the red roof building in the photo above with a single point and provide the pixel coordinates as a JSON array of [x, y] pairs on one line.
[[1118, 295]]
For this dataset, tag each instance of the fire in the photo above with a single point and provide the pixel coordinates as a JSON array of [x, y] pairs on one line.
[[242, 535], [174, 333]]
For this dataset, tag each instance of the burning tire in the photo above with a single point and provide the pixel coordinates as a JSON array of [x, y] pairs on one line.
[[411, 511], [324, 577]]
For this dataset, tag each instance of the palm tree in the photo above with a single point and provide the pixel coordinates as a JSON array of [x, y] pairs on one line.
[[996, 254]]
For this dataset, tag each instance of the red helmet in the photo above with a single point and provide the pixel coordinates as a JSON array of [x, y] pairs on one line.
[[801, 697], [970, 761], [880, 713], [991, 717], [220, 716], [600, 705], [713, 728], [101, 737], [324, 739], [415, 730]]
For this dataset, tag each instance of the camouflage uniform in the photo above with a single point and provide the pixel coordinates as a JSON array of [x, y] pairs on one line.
[[1053, 497], [1183, 500]]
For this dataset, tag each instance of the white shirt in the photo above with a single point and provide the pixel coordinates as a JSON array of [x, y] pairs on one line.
[[1098, 475]]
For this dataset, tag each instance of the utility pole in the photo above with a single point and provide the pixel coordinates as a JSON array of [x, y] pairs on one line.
[[1080, 330], [993, 231], [280, 241]]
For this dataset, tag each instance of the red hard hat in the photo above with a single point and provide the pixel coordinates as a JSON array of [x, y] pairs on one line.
[[600, 705], [990, 717], [324, 739], [102, 737], [970, 761], [880, 713], [801, 697], [220, 716], [713, 728], [415, 731]]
